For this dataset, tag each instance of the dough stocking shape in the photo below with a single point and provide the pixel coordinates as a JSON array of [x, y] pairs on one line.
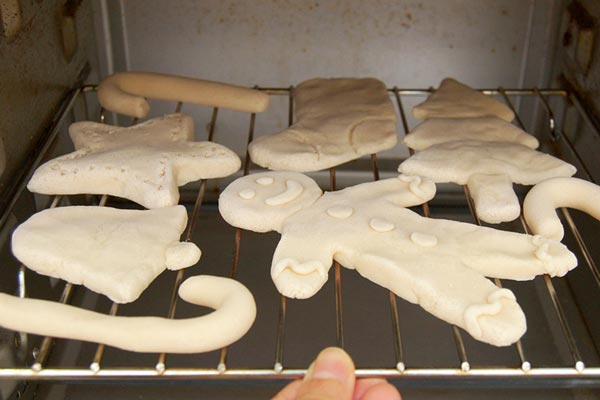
[[234, 314], [337, 120], [438, 264], [144, 163], [114, 252]]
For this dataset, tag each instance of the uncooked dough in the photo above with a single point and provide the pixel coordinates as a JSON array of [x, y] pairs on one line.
[[456, 100], [337, 120], [124, 93], [114, 252], [539, 208], [144, 163], [486, 129], [234, 314], [438, 264], [259, 211], [487, 168]]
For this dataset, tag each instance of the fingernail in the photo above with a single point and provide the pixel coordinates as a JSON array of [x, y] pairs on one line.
[[331, 363]]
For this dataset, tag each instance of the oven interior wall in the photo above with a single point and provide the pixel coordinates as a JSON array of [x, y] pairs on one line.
[[409, 43]]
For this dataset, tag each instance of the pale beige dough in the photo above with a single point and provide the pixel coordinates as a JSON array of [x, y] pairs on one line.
[[114, 252], [487, 168], [438, 264], [337, 120], [144, 163], [234, 314], [486, 129], [539, 208], [457, 100], [125, 93]]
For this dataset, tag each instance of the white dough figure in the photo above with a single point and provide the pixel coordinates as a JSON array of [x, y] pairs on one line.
[[337, 120], [439, 264], [144, 163], [114, 252]]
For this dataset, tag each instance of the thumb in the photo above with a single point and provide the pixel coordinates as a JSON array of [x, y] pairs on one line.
[[330, 377]]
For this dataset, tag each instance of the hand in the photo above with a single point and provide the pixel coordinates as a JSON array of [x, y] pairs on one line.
[[331, 377]]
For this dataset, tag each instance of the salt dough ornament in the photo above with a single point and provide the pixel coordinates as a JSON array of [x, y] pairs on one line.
[[235, 311], [489, 170], [457, 100], [126, 93], [337, 120], [114, 252], [439, 264], [485, 129], [144, 163], [539, 207]]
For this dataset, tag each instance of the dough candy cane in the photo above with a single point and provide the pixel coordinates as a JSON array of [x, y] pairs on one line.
[[234, 314], [125, 93], [539, 208], [439, 264]]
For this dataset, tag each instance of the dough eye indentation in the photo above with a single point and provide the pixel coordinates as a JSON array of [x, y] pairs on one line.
[[265, 181]]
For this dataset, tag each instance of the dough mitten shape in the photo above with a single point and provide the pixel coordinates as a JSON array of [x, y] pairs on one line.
[[539, 207], [457, 100], [144, 163], [126, 93], [235, 311], [337, 120], [114, 252], [485, 129], [438, 264], [487, 168]]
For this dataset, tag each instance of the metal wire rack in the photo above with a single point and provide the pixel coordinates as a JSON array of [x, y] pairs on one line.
[[576, 372]]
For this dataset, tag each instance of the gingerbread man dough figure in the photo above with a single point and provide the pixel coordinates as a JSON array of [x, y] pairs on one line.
[[439, 264]]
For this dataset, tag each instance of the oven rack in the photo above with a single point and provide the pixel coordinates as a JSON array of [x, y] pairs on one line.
[[575, 373]]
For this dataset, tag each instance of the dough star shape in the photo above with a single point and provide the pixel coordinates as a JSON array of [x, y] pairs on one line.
[[439, 264], [144, 163], [337, 120], [114, 252]]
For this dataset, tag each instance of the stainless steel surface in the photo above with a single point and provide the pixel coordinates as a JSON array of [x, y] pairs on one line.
[[384, 334], [413, 43]]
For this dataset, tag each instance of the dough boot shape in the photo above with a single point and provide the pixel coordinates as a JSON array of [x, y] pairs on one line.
[[545, 197], [484, 129], [234, 314], [114, 252], [456, 100], [125, 93], [488, 169], [439, 264], [337, 120], [144, 163]]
